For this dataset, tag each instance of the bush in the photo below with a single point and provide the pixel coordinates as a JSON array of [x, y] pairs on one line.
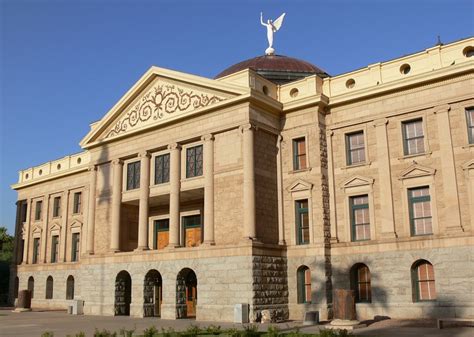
[[104, 333], [334, 333], [126, 333], [214, 330], [79, 334], [47, 334], [273, 331], [150, 332], [251, 330]]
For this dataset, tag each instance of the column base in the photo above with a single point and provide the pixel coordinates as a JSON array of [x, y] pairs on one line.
[[282, 243], [114, 250], [141, 249], [172, 246], [208, 243], [90, 252]]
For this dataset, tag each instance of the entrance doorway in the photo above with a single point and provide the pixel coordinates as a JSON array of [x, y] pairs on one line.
[[186, 294], [123, 293], [152, 294]]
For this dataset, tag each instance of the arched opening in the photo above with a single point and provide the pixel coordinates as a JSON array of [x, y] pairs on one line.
[[49, 287], [152, 294], [423, 281], [70, 288], [303, 280], [186, 294], [123, 293], [360, 283], [31, 285], [16, 288]]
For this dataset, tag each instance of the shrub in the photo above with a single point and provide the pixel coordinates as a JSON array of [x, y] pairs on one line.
[[150, 332], [251, 330], [126, 333], [214, 329], [273, 331], [104, 333], [334, 333], [168, 332], [47, 334]]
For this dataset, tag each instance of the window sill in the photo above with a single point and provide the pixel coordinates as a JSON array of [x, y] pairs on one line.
[[161, 184], [308, 169], [410, 156], [468, 146], [356, 165], [192, 178]]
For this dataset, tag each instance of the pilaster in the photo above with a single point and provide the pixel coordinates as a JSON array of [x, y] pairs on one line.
[[281, 219], [175, 186], [144, 199], [91, 209], [250, 231], [208, 189], [64, 213], [117, 166]]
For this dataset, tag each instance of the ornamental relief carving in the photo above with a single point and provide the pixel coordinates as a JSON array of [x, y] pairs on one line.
[[162, 100]]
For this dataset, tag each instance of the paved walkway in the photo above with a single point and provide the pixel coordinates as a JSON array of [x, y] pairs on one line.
[[31, 324]]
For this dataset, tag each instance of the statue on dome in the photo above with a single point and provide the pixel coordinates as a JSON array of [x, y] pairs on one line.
[[272, 27]]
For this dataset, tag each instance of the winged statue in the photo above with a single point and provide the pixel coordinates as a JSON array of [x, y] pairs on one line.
[[272, 27]]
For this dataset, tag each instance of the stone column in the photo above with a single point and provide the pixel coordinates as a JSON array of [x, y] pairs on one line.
[[91, 209], [332, 188], [208, 189], [44, 234], [116, 204], [64, 212], [250, 230], [386, 216], [175, 186], [281, 219], [143, 204], [450, 213], [26, 251]]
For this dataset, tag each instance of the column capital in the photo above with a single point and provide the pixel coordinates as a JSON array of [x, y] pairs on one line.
[[329, 133], [174, 146], [247, 127], [208, 137], [92, 167], [117, 161], [441, 108], [144, 154], [380, 122]]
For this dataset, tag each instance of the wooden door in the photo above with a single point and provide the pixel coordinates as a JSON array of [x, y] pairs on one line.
[[191, 300]]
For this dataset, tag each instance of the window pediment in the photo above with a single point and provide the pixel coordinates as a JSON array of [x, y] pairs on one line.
[[356, 181], [300, 185], [55, 227], [468, 165], [76, 224], [37, 230], [415, 171]]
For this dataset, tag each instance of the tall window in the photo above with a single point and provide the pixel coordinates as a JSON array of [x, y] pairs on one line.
[[70, 288], [162, 169], [413, 137], [77, 206], [423, 281], [133, 175], [56, 207], [16, 287], [303, 275], [36, 250], [355, 148], [31, 285], [75, 247], [470, 124], [54, 248], [302, 221], [194, 161], [22, 249], [161, 238], [23, 211], [299, 154], [360, 283], [49, 287], [38, 209], [360, 219], [420, 211]]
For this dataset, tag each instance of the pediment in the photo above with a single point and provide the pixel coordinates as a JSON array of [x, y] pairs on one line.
[[468, 165], [415, 171], [76, 224], [37, 230], [55, 227], [160, 96], [356, 181], [300, 185]]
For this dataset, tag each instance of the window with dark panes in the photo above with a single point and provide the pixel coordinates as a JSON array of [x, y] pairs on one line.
[[299, 154], [419, 202], [302, 222], [304, 284], [77, 206], [36, 250], [70, 288], [38, 209], [161, 237], [355, 145], [23, 211], [194, 161], [470, 124], [56, 207], [162, 169], [360, 219], [133, 175], [75, 247], [49, 288], [413, 137], [54, 248]]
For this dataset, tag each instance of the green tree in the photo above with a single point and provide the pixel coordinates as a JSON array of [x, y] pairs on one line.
[[6, 255]]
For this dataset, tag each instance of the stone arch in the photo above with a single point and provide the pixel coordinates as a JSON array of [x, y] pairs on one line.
[[123, 293], [152, 294], [31, 285], [186, 293], [303, 283], [361, 282], [49, 287], [70, 287]]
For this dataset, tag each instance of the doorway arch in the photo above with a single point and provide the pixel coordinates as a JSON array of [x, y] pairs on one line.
[[152, 294], [186, 294], [123, 293]]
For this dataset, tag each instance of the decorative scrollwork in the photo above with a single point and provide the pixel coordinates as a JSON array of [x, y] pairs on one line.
[[162, 100]]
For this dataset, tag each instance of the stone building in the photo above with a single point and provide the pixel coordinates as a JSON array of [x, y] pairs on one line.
[[270, 185]]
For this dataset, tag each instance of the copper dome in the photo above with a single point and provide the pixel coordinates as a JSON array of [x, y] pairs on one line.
[[276, 68]]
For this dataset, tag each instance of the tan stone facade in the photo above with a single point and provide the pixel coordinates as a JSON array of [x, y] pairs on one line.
[[251, 183]]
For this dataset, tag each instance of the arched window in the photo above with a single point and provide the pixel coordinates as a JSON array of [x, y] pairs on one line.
[[423, 280], [70, 288], [303, 276], [16, 288], [31, 285], [360, 283], [49, 287]]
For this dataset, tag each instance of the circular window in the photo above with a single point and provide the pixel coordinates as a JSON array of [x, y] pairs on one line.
[[350, 83], [58, 167], [405, 69], [294, 92], [79, 160], [27, 176], [468, 51], [40, 172], [265, 90]]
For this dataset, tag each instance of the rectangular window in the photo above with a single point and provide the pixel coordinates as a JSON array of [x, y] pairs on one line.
[[194, 161], [302, 222], [133, 175], [192, 230], [360, 219], [36, 250], [470, 124], [22, 249], [355, 145], [161, 238], [420, 211], [54, 248], [23, 211], [56, 207], [75, 247], [299, 154], [77, 206], [413, 138], [162, 169], [38, 209]]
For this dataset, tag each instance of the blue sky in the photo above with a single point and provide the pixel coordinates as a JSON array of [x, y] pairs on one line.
[[63, 64]]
